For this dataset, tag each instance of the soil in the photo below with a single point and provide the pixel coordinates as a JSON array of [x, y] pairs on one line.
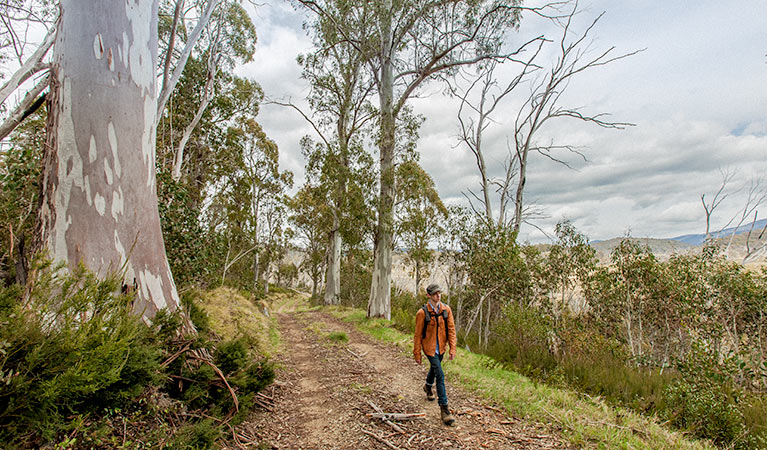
[[326, 388]]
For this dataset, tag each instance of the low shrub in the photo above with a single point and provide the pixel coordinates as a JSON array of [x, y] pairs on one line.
[[356, 276], [404, 306], [200, 435], [521, 339], [706, 410], [72, 347], [706, 402], [76, 361]]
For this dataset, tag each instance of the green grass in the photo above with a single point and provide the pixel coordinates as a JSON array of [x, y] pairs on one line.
[[586, 421], [338, 336]]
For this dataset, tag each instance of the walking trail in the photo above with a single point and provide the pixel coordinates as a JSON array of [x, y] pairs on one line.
[[325, 390]]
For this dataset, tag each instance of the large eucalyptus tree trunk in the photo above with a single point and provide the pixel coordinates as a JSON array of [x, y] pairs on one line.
[[333, 270], [99, 199], [379, 304]]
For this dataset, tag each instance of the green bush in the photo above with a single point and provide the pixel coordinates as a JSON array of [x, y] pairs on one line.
[[355, 279], [74, 357], [521, 339], [705, 409], [404, 306], [196, 436], [231, 356], [754, 408], [73, 347], [198, 316], [201, 387], [705, 401], [191, 253], [575, 355]]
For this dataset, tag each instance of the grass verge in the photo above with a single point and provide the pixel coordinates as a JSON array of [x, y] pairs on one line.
[[586, 421]]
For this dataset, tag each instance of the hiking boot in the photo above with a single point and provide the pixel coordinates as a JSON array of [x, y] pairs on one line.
[[429, 393], [447, 418]]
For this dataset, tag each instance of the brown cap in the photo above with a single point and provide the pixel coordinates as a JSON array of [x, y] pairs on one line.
[[433, 289]]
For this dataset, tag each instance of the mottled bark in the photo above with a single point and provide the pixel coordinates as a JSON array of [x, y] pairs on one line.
[[99, 194], [379, 304], [333, 270]]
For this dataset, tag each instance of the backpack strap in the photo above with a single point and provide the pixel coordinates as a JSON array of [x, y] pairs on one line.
[[426, 320], [445, 316]]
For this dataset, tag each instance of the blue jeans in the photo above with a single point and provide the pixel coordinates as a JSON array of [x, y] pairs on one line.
[[435, 372]]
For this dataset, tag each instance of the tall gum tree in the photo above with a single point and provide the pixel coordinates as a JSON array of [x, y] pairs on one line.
[[414, 41], [341, 113], [99, 199]]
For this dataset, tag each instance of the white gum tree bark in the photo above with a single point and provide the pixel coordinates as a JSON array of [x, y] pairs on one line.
[[379, 303], [99, 200], [333, 270]]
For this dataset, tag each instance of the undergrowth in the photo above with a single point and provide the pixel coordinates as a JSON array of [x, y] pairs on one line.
[[79, 369], [697, 401], [585, 421]]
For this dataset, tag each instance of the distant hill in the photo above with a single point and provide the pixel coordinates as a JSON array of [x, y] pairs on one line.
[[691, 243], [661, 248], [699, 239]]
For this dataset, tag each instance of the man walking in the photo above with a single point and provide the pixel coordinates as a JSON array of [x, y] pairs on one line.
[[434, 332]]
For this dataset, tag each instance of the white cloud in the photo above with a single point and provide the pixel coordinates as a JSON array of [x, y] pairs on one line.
[[696, 95]]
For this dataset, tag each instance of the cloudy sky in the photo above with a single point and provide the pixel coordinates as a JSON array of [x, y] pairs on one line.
[[697, 95]]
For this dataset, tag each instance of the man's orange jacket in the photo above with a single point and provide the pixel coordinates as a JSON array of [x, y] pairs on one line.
[[437, 322]]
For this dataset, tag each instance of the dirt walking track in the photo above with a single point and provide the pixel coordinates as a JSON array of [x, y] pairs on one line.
[[325, 390]]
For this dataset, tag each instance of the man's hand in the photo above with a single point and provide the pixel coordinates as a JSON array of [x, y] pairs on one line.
[[451, 356], [417, 360]]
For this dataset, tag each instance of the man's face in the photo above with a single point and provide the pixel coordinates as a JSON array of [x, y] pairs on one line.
[[435, 297]]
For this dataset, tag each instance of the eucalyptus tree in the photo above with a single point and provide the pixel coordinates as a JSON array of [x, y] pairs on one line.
[[312, 217], [229, 39], [341, 115], [411, 42], [99, 198], [174, 60], [245, 205], [420, 216]]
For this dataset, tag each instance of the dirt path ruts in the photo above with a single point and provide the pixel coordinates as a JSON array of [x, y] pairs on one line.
[[324, 389]]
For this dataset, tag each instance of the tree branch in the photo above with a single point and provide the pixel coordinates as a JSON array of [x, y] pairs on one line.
[[27, 106], [162, 99], [30, 67]]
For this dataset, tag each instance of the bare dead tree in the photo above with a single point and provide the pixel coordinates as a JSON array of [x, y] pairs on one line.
[[719, 197], [760, 248], [538, 107], [755, 197], [543, 103], [475, 117]]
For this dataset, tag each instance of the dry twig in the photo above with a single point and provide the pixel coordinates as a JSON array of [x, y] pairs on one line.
[[381, 440]]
